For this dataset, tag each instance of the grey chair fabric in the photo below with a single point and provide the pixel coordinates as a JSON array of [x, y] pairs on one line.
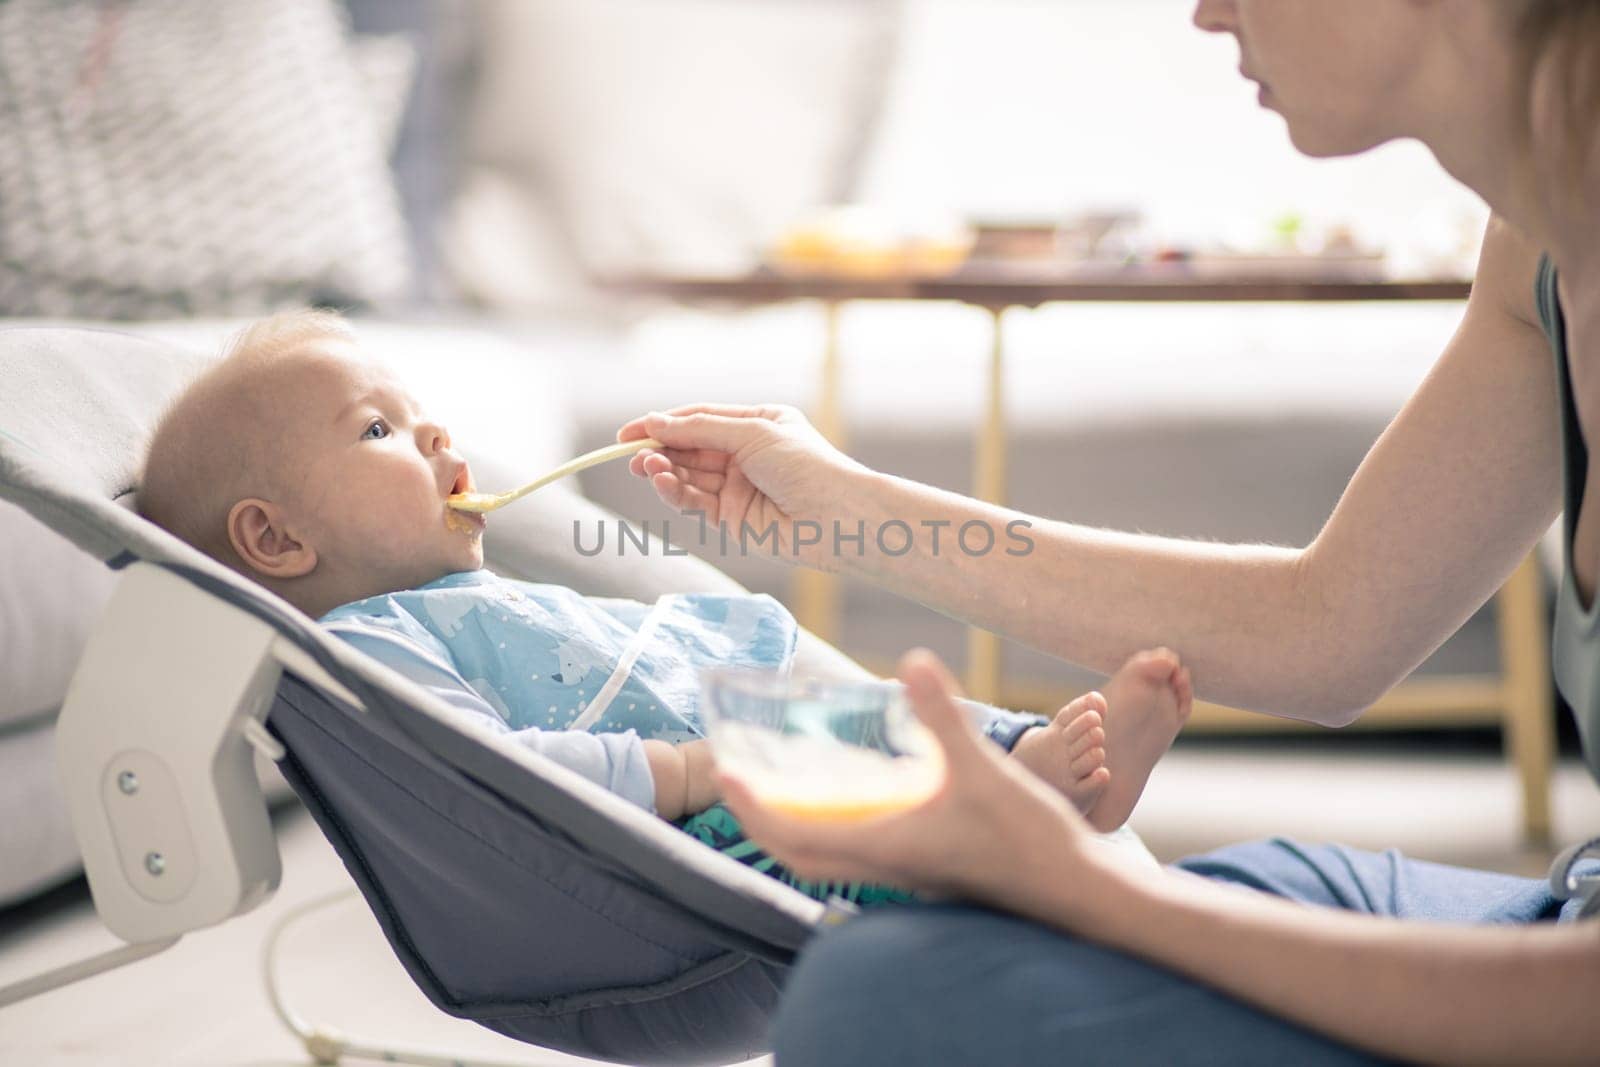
[[515, 893]]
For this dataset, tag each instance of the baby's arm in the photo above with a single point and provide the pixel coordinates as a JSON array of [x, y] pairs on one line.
[[685, 784]]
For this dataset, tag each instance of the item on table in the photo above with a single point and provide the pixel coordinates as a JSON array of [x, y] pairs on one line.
[[863, 242], [1102, 235]]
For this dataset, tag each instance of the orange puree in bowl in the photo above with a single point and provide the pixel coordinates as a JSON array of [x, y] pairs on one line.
[[822, 809], [899, 786]]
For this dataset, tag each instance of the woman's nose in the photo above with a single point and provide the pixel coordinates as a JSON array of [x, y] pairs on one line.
[[1216, 16]]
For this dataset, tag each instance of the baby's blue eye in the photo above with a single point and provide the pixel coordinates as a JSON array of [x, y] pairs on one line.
[[377, 431]]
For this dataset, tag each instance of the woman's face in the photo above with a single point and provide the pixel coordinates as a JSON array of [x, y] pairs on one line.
[[1342, 73]]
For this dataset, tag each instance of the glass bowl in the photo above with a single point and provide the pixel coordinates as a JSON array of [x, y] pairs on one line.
[[818, 749]]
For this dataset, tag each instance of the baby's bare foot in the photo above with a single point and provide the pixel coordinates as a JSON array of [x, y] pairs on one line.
[[1148, 700], [1069, 752]]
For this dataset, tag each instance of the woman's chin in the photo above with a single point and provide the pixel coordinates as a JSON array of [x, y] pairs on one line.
[[1320, 142]]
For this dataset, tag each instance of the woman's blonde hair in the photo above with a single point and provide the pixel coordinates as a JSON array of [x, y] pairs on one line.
[[1560, 39]]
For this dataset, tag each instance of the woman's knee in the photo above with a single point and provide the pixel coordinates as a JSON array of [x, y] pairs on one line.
[[935, 985], [843, 983], [938, 986]]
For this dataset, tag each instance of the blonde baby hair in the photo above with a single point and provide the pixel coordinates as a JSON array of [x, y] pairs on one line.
[[211, 448]]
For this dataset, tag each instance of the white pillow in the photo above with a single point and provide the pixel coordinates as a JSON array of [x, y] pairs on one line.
[[50, 594], [170, 157], [664, 134]]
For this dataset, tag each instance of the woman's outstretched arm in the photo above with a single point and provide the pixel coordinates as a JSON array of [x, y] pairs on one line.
[[1432, 993], [1447, 503]]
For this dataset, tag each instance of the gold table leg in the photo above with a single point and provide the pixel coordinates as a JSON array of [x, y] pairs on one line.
[[989, 484], [816, 594], [1526, 697]]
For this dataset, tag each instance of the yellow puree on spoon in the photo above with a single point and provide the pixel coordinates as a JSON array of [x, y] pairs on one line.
[[486, 502]]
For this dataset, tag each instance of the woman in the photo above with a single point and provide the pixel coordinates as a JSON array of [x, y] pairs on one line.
[[1108, 963]]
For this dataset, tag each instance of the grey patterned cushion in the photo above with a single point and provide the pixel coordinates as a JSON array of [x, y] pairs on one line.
[[189, 157]]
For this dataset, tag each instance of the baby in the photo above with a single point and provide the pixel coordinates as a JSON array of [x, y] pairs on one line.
[[304, 465]]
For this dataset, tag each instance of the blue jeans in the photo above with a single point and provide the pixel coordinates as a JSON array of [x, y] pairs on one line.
[[935, 985]]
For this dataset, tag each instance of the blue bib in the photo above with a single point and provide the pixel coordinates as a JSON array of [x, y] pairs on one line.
[[546, 657]]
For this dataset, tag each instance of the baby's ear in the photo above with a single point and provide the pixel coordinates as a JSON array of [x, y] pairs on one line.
[[259, 536]]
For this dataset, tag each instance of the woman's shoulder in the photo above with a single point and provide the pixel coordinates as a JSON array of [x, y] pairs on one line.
[[1508, 273]]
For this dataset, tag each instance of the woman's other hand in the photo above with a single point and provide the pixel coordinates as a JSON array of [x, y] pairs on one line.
[[747, 468], [993, 832]]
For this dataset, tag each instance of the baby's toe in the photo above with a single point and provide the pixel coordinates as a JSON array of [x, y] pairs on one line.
[[1073, 728], [1087, 792], [1086, 763], [1183, 688], [1156, 664], [1093, 737], [1089, 702]]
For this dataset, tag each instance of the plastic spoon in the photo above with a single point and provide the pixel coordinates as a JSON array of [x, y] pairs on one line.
[[484, 502]]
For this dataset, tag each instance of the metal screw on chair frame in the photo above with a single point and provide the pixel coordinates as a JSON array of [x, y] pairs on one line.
[[128, 782], [155, 863]]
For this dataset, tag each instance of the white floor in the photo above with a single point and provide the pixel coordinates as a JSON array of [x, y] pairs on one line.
[[201, 1004]]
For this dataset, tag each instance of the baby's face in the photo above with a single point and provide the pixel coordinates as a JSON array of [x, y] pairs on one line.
[[365, 473]]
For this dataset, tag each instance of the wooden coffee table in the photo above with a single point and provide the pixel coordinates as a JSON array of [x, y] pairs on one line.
[[1518, 699]]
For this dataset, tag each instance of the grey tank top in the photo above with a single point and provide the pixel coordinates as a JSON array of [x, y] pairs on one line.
[[1575, 645]]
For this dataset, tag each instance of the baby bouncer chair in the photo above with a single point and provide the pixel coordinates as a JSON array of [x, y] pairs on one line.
[[514, 892]]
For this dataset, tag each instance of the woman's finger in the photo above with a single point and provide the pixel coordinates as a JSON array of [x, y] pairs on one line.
[[735, 411], [813, 851], [635, 428], [676, 493], [934, 691], [709, 481], [655, 463], [704, 459], [722, 433], [649, 461]]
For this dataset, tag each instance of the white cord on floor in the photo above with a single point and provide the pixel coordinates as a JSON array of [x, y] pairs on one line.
[[324, 1044]]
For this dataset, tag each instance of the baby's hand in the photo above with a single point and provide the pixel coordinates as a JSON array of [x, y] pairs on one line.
[[684, 776]]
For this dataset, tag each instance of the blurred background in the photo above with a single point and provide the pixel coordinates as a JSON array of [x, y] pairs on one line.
[[559, 214]]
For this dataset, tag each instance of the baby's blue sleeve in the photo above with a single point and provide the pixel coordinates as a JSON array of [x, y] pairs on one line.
[[1005, 728], [613, 760]]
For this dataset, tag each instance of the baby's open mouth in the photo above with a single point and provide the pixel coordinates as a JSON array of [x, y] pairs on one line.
[[462, 521]]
